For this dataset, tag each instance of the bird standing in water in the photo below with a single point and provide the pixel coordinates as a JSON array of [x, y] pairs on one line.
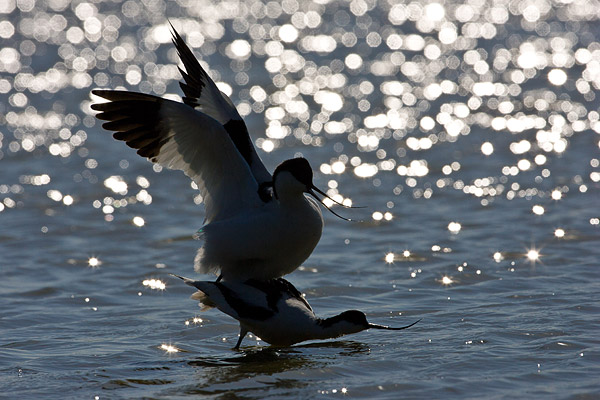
[[276, 311]]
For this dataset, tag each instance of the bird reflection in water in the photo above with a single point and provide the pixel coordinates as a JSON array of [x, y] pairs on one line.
[[288, 366]]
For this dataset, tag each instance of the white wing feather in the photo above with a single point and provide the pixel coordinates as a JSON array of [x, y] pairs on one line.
[[200, 147], [178, 137], [201, 93]]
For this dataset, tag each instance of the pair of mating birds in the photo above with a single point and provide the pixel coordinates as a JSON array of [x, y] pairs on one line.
[[258, 227]]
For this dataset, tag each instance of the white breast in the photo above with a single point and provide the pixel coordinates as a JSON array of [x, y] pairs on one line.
[[266, 244]]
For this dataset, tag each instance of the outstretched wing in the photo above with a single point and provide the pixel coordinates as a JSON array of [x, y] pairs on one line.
[[176, 136], [202, 94]]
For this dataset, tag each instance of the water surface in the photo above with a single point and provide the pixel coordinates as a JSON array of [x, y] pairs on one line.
[[469, 130]]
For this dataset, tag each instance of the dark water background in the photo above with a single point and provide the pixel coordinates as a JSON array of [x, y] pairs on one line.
[[469, 130]]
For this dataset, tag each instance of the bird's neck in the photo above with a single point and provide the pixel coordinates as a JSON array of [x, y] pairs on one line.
[[288, 189], [291, 197]]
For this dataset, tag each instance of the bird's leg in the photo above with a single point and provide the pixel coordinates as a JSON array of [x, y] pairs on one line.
[[242, 334]]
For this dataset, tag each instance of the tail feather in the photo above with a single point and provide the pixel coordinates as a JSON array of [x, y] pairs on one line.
[[188, 281], [205, 302]]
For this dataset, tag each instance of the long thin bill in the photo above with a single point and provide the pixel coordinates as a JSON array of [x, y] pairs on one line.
[[316, 189], [310, 191], [390, 328]]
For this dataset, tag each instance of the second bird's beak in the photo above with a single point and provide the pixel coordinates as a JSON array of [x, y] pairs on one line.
[[376, 326]]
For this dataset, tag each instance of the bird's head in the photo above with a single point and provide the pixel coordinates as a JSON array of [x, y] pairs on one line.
[[295, 176], [353, 321]]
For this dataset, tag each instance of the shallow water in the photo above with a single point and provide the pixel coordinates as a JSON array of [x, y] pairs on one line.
[[470, 132]]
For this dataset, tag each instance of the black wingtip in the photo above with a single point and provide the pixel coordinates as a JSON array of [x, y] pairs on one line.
[[174, 32], [99, 92]]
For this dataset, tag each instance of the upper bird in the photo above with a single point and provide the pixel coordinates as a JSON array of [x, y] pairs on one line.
[[276, 312], [256, 225]]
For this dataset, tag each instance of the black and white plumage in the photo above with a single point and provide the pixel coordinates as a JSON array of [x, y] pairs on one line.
[[202, 94], [256, 225], [276, 311]]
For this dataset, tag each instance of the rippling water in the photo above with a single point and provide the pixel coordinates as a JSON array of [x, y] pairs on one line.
[[469, 130]]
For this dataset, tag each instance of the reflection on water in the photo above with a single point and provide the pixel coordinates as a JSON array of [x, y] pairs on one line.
[[471, 130], [94, 262], [169, 348], [154, 284], [533, 255], [250, 371], [384, 84]]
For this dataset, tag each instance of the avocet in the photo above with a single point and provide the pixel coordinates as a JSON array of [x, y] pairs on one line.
[[257, 225], [276, 311]]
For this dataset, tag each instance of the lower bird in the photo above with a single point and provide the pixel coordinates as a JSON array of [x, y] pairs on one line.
[[276, 311]]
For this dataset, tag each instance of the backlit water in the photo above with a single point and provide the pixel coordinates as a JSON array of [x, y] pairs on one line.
[[470, 131]]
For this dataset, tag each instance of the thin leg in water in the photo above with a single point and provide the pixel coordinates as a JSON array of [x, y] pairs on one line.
[[242, 334]]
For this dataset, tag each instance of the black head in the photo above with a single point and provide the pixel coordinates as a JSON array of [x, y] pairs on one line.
[[353, 317], [359, 318], [351, 321], [301, 170]]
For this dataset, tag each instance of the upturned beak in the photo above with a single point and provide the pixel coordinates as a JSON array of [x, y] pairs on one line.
[[311, 190], [390, 328]]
